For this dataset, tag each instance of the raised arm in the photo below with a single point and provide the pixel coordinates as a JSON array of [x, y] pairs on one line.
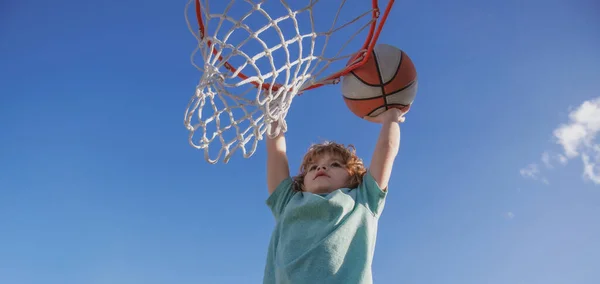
[[387, 146], [277, 162]]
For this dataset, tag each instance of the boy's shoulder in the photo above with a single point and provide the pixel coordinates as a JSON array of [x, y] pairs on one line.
[[367, 194]]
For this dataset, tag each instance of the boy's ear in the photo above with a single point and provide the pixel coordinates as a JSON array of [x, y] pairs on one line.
[[299, 182]]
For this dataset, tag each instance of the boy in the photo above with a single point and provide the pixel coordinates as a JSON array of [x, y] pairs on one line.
[[326, 217]]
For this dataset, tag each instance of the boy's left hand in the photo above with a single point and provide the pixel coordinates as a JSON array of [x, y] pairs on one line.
[[390, 115]]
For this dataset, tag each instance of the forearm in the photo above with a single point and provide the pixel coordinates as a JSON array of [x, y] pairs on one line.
[[276, 144], [277, 162], [385, 152]]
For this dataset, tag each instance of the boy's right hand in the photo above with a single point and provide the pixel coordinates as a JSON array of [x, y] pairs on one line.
[[390, 115]]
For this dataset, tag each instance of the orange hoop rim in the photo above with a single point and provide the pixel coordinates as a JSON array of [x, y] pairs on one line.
[[374, 31]]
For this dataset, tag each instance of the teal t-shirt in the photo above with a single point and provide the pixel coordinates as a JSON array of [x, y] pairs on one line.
[[323, 238]]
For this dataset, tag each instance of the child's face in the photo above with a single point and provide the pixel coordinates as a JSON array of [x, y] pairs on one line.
[[326, 174]]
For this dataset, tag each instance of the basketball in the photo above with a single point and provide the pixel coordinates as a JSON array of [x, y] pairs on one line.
[[387, 80]]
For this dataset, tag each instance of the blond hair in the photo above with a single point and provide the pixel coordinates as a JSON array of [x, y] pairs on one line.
[[347, 154]]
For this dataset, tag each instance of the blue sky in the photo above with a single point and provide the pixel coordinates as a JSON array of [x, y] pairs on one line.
[[99, 185]]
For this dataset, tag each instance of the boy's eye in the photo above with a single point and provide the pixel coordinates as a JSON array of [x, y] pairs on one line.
[[312, 168], [336, 164]]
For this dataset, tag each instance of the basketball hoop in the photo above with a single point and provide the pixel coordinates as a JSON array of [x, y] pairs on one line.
[[257, 56]]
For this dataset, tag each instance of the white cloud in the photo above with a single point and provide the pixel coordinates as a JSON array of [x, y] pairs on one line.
[[578, 138], [509, 215], [550, 159], [579, 134], [546, 160], [591, 166], [562, 159], [532, 171]]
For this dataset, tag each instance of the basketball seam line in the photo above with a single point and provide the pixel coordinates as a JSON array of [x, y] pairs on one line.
[[397, 69], [382, 85], [392, 105], [362, 81], [403, 88], [379, 72], [384, 95]]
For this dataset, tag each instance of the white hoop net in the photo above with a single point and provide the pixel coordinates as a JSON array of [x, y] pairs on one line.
[[278, 45]]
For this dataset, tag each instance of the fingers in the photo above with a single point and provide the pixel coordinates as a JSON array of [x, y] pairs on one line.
[[371, 119], [393, 114]]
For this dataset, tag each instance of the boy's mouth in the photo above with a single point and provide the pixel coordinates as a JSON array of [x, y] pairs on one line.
[[321, 174]]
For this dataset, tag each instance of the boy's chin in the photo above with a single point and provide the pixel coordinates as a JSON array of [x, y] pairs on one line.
[[320, 189]]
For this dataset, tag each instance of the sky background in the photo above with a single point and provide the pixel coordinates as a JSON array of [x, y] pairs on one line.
[[497, 180]]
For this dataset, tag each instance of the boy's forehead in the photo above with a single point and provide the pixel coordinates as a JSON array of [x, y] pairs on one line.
[[325, 156]]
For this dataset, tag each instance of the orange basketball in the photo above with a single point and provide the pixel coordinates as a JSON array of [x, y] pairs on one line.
[[387, 80]]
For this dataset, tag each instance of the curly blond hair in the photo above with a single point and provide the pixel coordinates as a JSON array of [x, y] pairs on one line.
[[347, 154]]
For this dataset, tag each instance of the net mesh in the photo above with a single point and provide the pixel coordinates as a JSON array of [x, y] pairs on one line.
[[257, 56]]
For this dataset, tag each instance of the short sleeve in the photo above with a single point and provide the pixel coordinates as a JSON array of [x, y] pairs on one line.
[[280, 197], [371, 195]]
